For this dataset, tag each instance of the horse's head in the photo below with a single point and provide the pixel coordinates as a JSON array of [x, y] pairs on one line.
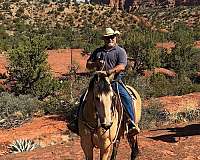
[[103, 97]]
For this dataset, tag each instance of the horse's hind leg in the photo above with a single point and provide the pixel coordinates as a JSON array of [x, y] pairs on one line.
[[134, 147], [115, 148], [88, 153]]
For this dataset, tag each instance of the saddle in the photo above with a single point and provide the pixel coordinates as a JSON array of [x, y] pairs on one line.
[[126, 118], [130, 90]]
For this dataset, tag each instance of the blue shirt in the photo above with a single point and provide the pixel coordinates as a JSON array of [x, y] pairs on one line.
[[112, 57]]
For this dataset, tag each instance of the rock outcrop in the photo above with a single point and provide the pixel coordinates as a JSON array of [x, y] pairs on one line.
[[177, 104], [128, 4]]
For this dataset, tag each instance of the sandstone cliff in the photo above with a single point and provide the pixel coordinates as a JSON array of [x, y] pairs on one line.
[[128, 4]]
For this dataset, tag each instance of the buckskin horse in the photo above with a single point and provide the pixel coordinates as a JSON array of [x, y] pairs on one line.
[[101, 119]]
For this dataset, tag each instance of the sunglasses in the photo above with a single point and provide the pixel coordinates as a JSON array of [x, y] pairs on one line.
[[109, 37]]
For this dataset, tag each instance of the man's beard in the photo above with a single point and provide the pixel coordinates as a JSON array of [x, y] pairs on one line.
[[111, 44]]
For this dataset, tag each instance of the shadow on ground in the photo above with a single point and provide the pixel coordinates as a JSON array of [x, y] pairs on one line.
[[178, 132]]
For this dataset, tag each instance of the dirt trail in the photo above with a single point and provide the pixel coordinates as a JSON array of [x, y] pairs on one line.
[[178, 142]]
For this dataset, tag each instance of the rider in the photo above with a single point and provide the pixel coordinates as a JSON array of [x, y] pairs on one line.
[[113, 59]]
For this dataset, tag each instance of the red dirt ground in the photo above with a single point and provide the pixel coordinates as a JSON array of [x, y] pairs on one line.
[[177, 142], [180, 142], [172, 142]]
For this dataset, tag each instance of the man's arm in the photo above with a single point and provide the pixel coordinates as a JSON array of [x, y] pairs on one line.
[[117, 69]]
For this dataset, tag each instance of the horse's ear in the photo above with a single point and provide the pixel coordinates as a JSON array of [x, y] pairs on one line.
[[111, 77]]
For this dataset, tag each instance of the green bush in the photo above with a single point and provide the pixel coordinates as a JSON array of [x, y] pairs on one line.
[[159, 85], [140, 45], [14, 110], [29, 69], [187, 115], [153, 115]]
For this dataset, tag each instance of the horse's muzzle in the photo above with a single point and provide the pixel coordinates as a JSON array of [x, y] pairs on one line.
[[106, 126]]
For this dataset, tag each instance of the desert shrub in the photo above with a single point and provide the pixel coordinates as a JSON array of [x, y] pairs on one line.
[[67, 101], [20, 12], [184, 57], [14, 110], [183, 60], [56, 105], [29, 70], [153, 115], [159, 85], [184, 86], [22, 27], [155, 86], [186, 116], [182, 34], [3, 39], [5, 6], [91, 38], [140, 46], [196, 35], [63, 38], [2, 89], [22, 145]]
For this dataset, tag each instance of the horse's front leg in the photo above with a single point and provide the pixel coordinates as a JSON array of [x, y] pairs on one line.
[[87, 148], [104, 153], [115, 148]]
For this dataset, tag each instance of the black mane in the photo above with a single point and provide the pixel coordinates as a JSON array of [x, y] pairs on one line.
[[101, 83]]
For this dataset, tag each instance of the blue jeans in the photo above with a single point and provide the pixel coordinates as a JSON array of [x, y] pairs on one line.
[[125, 98]]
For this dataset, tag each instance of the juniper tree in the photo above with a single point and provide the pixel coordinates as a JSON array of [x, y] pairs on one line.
[[29, 68]]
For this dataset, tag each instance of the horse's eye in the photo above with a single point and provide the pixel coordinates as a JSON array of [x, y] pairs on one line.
[[97, 98], [113, 97]]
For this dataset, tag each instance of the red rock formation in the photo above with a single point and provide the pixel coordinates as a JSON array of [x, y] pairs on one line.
[[175, 104], [166, 72], [165, 45], [149, 3], [3, 64]]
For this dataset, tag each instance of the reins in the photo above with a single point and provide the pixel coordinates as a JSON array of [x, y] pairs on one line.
[[120, 120]]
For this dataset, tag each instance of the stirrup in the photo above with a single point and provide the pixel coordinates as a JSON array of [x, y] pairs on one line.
[[134, 130]]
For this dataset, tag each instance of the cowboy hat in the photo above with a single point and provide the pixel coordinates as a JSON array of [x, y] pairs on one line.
[[110, 32]]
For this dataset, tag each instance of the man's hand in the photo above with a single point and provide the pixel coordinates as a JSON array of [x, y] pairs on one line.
[[116, 69], [95, 65], [109, 72], [99, 64]]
